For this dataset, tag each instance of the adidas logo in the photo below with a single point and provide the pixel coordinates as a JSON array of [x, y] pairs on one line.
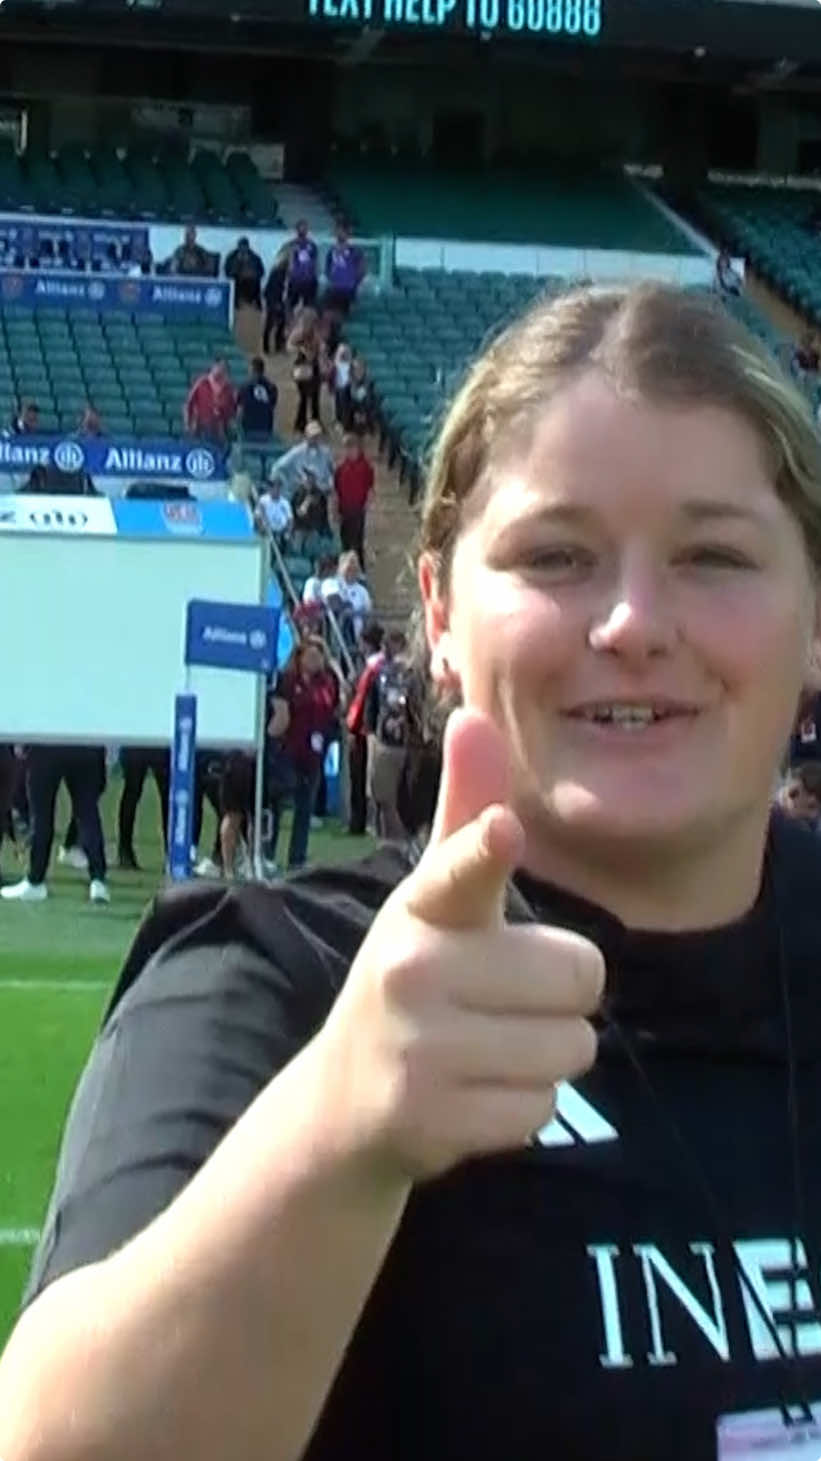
[[575, 1123]]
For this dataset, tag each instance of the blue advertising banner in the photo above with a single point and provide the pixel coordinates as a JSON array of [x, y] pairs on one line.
[[186, 519], [208, 299], [232, 636], [168, 461], [181, 797], [26, 236]]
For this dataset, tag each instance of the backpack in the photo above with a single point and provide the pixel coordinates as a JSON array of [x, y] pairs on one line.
[[393, 714]]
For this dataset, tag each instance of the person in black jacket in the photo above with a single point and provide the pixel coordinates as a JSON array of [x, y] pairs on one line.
[[247, 271], [503, 1144]]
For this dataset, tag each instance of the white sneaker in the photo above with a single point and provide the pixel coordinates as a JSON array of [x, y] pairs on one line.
[[25, 892], [73, 857], [98, 892], [243, 866], [207, 868]]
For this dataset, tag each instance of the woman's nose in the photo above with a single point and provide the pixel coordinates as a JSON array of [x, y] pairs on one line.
[[638, 622]]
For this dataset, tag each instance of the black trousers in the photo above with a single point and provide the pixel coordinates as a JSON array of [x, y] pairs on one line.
[[274, 324], [79, 768], [308, 397], [136, 762], [8, 780], [72, 837], [302, 291], [209, 769], [357, 782], [352, 535]]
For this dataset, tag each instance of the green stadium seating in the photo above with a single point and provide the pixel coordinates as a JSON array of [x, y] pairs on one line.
[[447, 319], [595, 209], [130, 370], [772, 228]]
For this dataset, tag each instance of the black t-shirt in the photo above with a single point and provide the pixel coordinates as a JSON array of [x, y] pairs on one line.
[[257, 400], [577, 1299]]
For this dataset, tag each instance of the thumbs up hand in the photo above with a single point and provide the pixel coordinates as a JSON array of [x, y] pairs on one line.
[[453, 1028]]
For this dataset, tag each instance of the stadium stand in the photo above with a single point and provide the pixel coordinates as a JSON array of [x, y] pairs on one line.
[[142, 182], [598, 209], [419, 339], [773, 228], [136, 372]]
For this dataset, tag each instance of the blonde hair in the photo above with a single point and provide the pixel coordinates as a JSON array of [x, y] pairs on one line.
[[350, 559], [651, 341]]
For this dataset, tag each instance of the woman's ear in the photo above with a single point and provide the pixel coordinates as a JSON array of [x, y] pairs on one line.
[[437, 624]]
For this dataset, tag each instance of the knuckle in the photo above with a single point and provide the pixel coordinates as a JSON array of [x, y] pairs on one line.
[[584, 1046]]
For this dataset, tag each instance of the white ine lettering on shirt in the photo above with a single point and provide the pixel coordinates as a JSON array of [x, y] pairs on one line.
[[767, 1264]]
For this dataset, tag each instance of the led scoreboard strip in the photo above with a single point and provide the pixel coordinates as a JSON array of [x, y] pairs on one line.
[[571, 19]]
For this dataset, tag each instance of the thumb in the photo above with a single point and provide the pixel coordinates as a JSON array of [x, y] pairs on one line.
[[476, 839]]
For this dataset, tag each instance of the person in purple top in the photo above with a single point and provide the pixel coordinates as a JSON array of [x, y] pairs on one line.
[[302, 272], [344, 267]]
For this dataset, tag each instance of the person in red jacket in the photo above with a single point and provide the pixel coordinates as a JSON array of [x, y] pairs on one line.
[[371, 641], [310, 691], [212, 403], [353, 485]]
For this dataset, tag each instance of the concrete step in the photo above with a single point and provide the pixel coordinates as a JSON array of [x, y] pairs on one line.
[[392, 523]]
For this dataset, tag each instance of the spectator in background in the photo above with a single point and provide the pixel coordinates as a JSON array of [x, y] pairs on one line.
[[48, 766], [212, 403], [274, 295], [387, 721], [275, 512], [353, 485], [303, 284], [257, 402], [236, 815], [805, 743], [726, 279], [345, 270], [372, 637], [312, 456], [348, 597], [136, 762], [310, 507], [247, 271], [805, 357], [90, 422], [308, 348], [27, 420], [190, 258], [340, 385], [312, 590], [799, 796], [363, 406], [310, 691]]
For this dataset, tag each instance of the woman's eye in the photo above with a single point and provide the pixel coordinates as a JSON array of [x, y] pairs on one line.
[[716, 556], [558, 560]]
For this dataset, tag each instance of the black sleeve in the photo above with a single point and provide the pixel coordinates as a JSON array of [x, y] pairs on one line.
[[219, 991]]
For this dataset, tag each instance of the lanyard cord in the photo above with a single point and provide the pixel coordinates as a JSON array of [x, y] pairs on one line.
[[789, 1360]]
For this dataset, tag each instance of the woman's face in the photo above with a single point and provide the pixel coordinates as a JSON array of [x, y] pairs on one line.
[[311, 660], [632, 603]]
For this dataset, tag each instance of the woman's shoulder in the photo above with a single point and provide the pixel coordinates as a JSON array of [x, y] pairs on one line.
[[300, 934]]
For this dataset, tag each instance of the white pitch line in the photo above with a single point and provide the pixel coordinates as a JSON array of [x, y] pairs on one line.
[[85, 985], [18, 1237]]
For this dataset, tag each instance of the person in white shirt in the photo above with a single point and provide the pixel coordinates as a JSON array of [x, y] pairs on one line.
[[346, 593], [311, 457], [276, 510], [727, 281], [312, 592]]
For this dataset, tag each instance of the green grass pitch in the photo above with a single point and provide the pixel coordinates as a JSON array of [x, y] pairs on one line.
[[57, 962]]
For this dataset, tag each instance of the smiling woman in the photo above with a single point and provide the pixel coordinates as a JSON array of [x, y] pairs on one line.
[[300, 1210]]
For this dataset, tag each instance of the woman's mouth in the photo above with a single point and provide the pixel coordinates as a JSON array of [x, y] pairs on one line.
[[635, 716]]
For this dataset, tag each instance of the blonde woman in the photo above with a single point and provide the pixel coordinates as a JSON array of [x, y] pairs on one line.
[[325, 1190]]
